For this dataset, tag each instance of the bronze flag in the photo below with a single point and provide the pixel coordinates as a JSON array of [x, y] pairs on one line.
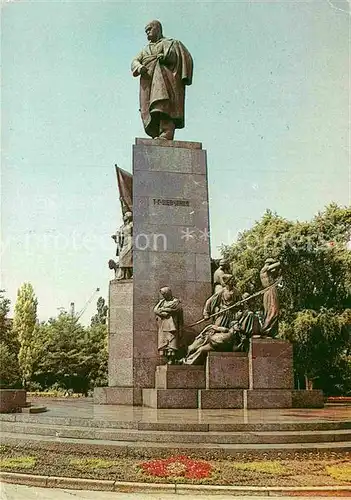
[[125, 188]]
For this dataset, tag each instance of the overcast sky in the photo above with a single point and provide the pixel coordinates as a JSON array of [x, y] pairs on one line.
[[269, 102]]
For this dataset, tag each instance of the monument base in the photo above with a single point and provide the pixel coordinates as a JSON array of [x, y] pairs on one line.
[[272, 364], [117, 396], [227, 370], [170, 398], [268, 398], [260, 379], [180, 377], [222, 399], [307, 399], [120, 334], [120, 390]]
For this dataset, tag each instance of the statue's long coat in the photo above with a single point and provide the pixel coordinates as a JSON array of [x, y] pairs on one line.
[[170, 327], [162, 90]]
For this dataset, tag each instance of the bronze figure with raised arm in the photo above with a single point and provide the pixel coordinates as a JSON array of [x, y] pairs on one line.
[[269, 274]]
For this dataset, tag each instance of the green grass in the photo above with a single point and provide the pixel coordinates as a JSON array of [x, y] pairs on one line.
[[17, 463], [339, 472], [268, 467], [91, 463]]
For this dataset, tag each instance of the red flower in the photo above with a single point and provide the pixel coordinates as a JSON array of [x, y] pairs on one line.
[[177, 466]]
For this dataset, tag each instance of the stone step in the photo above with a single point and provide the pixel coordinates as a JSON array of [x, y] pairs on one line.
[[198, 449], [211, 437], [47, 419]]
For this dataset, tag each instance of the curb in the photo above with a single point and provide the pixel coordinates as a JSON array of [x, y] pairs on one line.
[[194, 489]]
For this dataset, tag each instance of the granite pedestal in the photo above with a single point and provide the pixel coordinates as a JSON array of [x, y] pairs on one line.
[[180, 377], [260, 379], [268, 398], [171, 247], [271, 376], [227, 370], [272, 364], [120, 388], [170, 398], [307, 399], [171, 237], [120, 339], [221, 398]]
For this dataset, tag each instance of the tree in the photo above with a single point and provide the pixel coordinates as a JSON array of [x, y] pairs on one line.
[[96, 346], [73, 357], [9, 368], [320, 335], [316, 291], [101, 316], [24, 323], [6, 332], [63, 363]]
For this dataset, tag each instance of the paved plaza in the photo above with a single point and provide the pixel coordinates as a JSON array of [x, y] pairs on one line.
[[80, 422], [85, 409]]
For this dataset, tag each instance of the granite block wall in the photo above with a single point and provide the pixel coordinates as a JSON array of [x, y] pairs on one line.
[[171, 241]]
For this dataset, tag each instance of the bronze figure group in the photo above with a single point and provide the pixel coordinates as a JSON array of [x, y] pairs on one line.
[[233, 323]]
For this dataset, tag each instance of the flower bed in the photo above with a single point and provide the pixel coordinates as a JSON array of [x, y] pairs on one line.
[[180, 466], [326, 469], [339, 399], [55, 394]]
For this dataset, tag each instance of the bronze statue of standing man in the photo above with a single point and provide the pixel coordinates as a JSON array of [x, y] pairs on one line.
[[165, 67], [169, 316]]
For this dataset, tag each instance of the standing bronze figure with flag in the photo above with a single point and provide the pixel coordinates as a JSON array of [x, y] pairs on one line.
[[124, 235]]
